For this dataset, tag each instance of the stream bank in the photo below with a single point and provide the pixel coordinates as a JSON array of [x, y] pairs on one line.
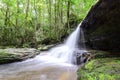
[[103, 66]]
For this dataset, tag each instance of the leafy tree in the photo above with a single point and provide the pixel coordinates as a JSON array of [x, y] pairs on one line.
[[36, 22]]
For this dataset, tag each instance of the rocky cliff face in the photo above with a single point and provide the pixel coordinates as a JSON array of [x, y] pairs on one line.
[[102, 25]]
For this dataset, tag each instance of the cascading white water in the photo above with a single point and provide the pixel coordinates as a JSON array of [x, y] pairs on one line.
[[81, 40], [73, 38], [65, 52], [56, 64]]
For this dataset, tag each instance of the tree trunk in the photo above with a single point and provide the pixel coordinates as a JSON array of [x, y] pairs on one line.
[[6, 16], [49, 11], [27, 9], [35, 27], [61, 15], [17, 13], [50, 15], [68, 13]]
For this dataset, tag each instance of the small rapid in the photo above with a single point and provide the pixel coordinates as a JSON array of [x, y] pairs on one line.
[[67, 52]]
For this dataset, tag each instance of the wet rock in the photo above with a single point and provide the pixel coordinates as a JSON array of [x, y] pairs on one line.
[[81, 57], [45, 47], [100, 54], [16, 54], [102, 25]]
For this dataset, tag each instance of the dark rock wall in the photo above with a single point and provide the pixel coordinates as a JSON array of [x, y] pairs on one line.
[[102, 25]]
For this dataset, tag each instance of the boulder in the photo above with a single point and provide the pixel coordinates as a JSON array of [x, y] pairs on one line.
[[81, 57], [16, 54], [102, 25]]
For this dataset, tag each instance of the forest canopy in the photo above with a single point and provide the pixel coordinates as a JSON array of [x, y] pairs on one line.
[[31, 22]]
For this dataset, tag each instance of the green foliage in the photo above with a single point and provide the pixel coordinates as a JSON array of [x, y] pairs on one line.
[[101, 69], [23, 22], [101, 76]]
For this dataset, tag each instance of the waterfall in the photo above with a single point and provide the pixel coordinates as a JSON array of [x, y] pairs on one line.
[[72, 40], [81, 40], [59, 63], [66, 52]]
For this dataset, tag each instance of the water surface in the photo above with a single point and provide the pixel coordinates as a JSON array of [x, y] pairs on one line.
[[35, 69]]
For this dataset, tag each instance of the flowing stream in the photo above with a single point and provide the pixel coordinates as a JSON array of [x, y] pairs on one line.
[[56, 64]]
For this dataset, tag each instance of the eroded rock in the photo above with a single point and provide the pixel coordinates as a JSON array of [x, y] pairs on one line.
[[102, 25], [16, 54]]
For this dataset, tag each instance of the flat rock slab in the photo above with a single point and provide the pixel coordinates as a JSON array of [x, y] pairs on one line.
[[16, 54]]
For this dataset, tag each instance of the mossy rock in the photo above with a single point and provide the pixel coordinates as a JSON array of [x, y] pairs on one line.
[[16, 54], [45, 47], [101, 69], [6, 57], [100, 54], [103, 54]]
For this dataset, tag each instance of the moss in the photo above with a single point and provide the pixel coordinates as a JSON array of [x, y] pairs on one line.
[[102, 54], [6, 57], [101, 69], [45, 47], [10, 55]]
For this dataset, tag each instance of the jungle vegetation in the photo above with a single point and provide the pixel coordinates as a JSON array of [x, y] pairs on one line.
[[25, 23]]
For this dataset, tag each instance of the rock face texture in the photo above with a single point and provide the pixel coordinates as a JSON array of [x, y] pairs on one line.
[[16, 54], [102, 25]]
